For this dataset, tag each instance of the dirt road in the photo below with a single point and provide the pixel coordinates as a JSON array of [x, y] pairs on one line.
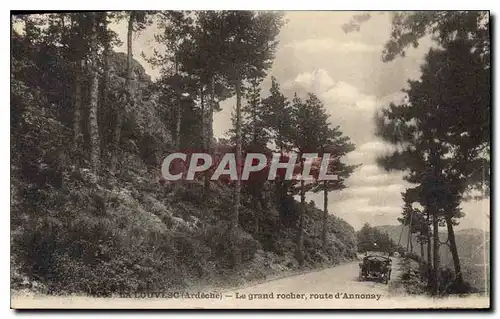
[[331, 288], [336, 288]]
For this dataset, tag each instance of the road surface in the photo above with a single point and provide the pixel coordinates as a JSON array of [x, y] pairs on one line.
[[332, 288]]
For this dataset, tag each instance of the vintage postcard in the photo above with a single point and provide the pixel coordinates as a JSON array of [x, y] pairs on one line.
[[250, 160]]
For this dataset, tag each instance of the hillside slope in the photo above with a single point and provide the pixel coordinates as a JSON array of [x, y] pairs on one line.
[[75, 231], [470, 245]]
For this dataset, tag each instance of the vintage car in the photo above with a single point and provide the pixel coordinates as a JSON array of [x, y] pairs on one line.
[[375, 267]]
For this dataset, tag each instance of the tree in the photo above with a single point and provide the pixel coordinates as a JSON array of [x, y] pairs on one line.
[[415, 220], [249, 46], [79, 65], [74, 42], [334, 143], [229, 46], [446, 84], [309, 119], [441, 134], [127, 92], [94, 89], [38, 65], [254, 140], [366, 238], [56, 200], [83, 39], [372, 239], [201, 56], [408, 27], [175, 26], [254, 128], [277, 117]]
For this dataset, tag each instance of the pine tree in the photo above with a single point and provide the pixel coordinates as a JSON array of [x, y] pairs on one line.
[[174, 26], [250, 42], [441, 134], [333, 142], [309, 119], [277, 117], [94, 89], [408, 27]]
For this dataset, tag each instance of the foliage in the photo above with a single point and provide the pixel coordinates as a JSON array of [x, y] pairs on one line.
[[408, 27], [79, 230], [442, 134], [372, 239]]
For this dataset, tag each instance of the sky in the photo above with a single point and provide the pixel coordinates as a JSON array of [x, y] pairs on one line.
[[346, 72]]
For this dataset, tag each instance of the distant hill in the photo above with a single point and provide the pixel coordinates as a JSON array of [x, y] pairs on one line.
[[470, 245]]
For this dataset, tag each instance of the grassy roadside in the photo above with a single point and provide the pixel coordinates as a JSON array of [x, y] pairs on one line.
[[233, 282]]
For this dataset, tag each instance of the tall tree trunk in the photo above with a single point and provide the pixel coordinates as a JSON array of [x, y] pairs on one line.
[[105, 129], [256, 191], [80, 78], [408, 243], [237, 188], [233, 225], [429, 252], [254, 121], [211, 108], [453, 249], [401, 235], [77, 130], [436, 173], [422, 254], [209, 131], [178, 120], [277, 202], [204, 134], [325, 215], [126, 98], [411, 243], [257, 224], [178, 109], [436, 257], [130, 31], [93, 105], [299, 255], [203, 120]]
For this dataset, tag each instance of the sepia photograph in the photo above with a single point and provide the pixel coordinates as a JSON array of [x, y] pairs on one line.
[[219, 159]]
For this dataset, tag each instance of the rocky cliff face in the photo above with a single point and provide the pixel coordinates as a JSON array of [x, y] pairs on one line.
[[144, 128]]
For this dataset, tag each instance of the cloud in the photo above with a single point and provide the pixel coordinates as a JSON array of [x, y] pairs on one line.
[[344, 93], [346, 72], [477, 214], [373, 191], [372, 194], [369, 151], [375, 146], [329, 44], [346, 104], [357, 211], [378, 178]]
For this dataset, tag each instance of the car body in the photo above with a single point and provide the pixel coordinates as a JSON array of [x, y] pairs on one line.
[[375, 267]]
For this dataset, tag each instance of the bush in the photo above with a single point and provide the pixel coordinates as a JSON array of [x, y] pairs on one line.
[[228, 245], [450, 285]]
